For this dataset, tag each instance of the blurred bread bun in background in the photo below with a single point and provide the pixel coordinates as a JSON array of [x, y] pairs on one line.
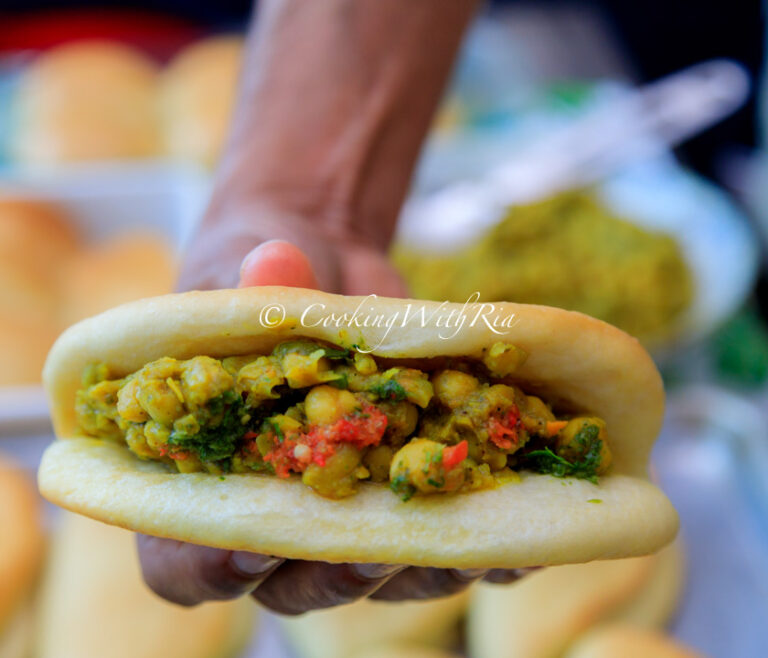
[[35, 234], [36, 240], [629, 642], [94, 604], [198, 96], [50, 277], [122, 269], [88, 100], [23, 348], [21, 553], [404, 651]]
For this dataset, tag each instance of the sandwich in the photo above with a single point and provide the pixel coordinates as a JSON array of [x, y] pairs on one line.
[[317, 426]]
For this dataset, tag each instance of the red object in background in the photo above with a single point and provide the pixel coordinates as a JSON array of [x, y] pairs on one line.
[[156, 34]]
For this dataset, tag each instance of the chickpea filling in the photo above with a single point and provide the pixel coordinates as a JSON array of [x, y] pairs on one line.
[[336, 417]]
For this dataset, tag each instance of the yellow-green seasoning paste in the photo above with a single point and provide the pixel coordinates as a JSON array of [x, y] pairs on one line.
[[337, 417], [568, 251]]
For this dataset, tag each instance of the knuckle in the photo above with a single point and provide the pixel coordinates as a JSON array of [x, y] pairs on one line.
[[312, 587]]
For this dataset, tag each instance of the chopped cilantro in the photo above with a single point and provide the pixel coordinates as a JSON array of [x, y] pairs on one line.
[[276, 429], [337, 354], [220, 429], [437, 484], [547, 461], [342, 381], [402, 488], [389, 390]]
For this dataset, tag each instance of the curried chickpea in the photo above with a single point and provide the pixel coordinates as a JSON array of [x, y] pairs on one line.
[[420, 464], [134, 437], [128, 405], [453, 387], [536, 415], [503, 359], [365, 364], [338, 478], [572, 448], [160, 401], [378, 460], [259, 377], [402, 418], [306, 369], [325, 405], [202, 379]]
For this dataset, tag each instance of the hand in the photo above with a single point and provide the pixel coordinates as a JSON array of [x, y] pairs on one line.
[[188, 574]]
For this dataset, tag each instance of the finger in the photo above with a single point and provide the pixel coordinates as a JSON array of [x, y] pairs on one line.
[[188, 574], [427, 583], [506, 576], [277, 263], [299, 586], [367, 271]]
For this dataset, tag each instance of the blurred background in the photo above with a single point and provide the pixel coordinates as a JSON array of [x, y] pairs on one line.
[[602, 156]]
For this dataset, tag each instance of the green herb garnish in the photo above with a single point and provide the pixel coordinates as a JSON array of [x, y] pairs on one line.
[[276, 429], [402, 488], [547, 461], [342, 381], [337, 354], [220, 429], [389, 390]]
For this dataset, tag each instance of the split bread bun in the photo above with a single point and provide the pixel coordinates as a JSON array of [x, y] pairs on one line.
[[541, 520], [94, 603], [506, 622]]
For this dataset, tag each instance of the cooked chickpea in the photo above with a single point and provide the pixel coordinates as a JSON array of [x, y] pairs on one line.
[[415, 383], [303, 370], [402, 418], [161, 369], [420, 463], [536, 407], [159, 401], [536, 415], [187, 424], [571, 449], [259, 377], [378, 461], [285, 424], [234, 364], [325, 405], [134, 437], [453, 387], [365, 364], [128, 405], [338, 478], [203, 379], [156, 435], [190, 464], [503, 359]]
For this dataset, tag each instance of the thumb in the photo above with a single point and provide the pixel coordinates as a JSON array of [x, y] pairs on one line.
[[277, 263]]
